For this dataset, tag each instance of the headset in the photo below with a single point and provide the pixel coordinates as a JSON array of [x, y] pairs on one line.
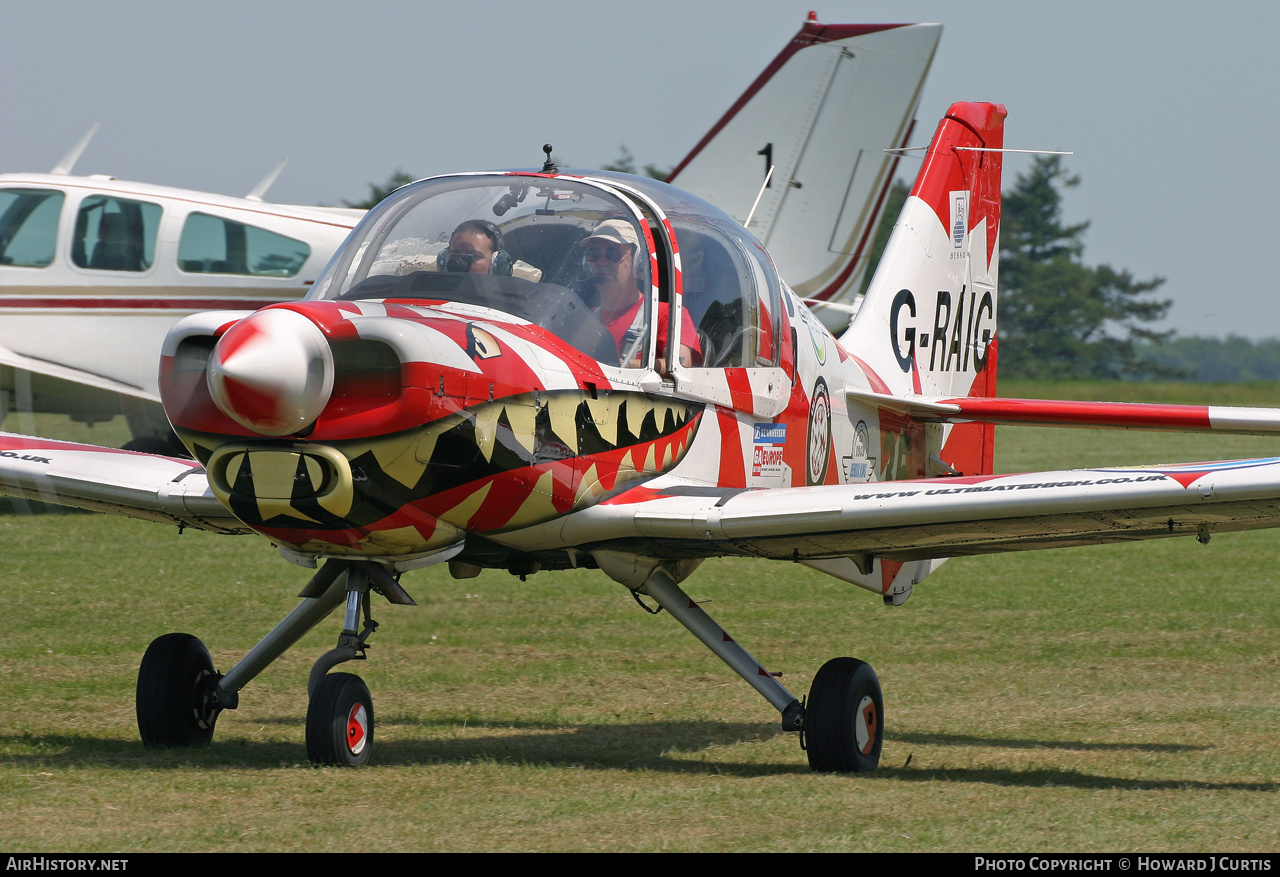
[[460, 263]]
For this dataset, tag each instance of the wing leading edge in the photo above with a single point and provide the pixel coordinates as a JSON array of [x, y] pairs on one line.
[[144, 486], [940, 517]]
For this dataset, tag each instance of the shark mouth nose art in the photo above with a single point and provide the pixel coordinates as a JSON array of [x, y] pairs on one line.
[[487, 468], [272, 372]]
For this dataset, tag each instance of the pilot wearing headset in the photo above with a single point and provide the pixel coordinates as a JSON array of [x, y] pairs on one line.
[[475, 247], [609, 254]]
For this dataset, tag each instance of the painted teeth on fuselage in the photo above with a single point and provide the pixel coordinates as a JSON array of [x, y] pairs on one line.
[[541, 427], [474, 444]]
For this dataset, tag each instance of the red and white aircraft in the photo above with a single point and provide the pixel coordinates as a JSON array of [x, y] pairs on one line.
[[477, 394], [94, 271]]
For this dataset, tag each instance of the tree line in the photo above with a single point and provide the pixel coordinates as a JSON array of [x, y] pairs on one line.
[[1061, 319]]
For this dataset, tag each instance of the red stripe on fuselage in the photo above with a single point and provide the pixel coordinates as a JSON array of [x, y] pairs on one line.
[[733, 469], [739, 389], [877, 385]]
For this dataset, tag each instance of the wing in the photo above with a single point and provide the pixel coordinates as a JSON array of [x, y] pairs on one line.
[[940, 517], [146, 486], [71, 378]]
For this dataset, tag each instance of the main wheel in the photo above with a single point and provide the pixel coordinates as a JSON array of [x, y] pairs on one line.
[[174, 678], [844, 717], [340, 722]]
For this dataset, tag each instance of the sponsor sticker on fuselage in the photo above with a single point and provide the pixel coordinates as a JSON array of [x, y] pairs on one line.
[[768, 446]]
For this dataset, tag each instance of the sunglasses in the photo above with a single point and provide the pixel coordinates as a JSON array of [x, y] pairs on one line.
[[613, 254]]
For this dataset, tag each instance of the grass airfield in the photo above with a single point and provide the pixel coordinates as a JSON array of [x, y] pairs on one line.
[[1118, 698]]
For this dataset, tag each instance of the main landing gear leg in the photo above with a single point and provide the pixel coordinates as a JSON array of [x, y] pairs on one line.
[[179, 695], [841, 724], [662, 588]]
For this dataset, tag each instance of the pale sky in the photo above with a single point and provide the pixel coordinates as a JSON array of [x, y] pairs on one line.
[[1170, 107]]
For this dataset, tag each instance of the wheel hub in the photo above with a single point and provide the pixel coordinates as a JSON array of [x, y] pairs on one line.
[[357, 729], [866, 725]]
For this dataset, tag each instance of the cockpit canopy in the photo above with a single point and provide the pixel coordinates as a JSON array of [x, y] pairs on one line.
[[589, 259]]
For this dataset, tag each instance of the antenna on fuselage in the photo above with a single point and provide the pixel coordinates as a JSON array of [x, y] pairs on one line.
[[760, 194], [69, 160], [261, 189], [549, 166]]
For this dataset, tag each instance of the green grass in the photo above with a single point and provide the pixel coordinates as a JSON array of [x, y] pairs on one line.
[[1112, 698]]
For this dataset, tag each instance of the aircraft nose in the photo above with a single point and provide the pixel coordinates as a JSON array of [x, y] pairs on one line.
[[272, 372]]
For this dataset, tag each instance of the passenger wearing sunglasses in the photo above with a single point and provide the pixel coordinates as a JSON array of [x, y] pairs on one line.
[[609, 256]]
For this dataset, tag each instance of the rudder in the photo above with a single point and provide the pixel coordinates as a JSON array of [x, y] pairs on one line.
[[928, 324]]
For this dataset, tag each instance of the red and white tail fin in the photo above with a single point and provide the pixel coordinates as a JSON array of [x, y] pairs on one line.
[[822, 114], [928, 323]]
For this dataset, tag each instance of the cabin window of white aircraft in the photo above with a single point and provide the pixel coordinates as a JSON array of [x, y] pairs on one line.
[[115, 234], [212, 245], [29, 226]]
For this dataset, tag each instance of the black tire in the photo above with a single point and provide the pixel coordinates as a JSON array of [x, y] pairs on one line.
[[844, 717], [176, 672], [340, 722]]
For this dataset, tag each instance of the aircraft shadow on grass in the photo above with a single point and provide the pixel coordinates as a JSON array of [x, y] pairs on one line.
[[651, 746], [1008, 743]]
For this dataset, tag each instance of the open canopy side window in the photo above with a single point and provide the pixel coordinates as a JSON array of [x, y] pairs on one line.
[[731, 294]]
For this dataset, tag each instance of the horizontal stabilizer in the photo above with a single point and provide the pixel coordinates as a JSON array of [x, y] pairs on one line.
[[1104, 415], [916, 407]]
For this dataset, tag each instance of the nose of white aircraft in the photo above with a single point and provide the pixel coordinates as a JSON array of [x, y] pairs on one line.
[[272, 372]]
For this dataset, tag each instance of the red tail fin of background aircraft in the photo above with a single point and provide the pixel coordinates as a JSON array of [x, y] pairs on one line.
[[928, 324]]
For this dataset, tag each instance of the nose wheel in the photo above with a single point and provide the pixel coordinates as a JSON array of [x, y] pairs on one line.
[[340, 721], [844, 717]]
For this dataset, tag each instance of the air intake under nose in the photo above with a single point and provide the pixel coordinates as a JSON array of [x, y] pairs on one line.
[[272, 372]]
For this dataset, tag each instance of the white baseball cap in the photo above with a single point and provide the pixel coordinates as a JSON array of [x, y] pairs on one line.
[[617, 231]]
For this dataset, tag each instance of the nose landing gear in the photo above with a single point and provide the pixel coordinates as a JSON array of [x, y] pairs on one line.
[[340, 722], [179, 694]]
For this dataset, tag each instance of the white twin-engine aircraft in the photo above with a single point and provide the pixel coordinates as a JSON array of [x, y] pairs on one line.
[[94, 271], [613, 375]]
